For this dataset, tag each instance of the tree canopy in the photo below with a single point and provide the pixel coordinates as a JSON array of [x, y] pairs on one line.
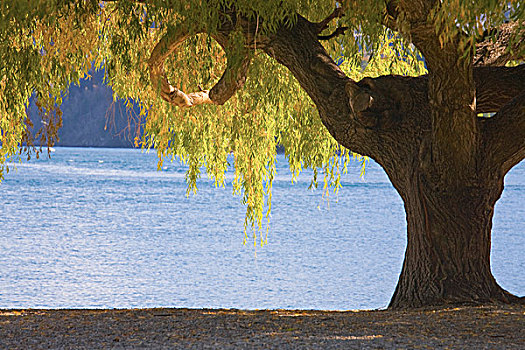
[[49, 45]]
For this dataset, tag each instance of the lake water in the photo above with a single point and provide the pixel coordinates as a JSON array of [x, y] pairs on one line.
[[101, 228]]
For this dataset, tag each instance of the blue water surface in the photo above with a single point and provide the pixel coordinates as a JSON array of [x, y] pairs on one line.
[[102, 228]]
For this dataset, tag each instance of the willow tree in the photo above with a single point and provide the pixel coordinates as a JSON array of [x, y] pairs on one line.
[[263, 74]]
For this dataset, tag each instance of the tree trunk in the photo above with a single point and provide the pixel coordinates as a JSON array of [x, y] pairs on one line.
[[447, 260]]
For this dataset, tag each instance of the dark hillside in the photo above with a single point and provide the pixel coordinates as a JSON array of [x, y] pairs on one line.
[[91, 118]]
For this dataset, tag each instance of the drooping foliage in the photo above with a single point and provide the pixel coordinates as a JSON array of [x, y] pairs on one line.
[[47, 45]]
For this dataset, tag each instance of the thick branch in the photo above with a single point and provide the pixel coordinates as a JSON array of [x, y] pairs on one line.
[[451, 90], [232, 79], [500, 49], [165, 47], [504, 135], [337, 97], [496, 86]]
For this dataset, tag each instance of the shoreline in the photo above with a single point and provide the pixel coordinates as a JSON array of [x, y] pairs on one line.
[[480, 327]]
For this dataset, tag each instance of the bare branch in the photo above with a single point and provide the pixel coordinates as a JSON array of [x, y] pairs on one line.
[[337, 13], [232, 79], [391, 14], [337, 32]]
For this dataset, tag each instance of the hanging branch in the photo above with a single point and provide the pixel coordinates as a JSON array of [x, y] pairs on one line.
[[232, 79]]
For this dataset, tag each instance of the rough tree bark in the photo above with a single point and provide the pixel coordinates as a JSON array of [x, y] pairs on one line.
[[447, 164]]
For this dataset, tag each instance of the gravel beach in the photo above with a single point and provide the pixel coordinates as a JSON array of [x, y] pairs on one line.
[[486, 327]]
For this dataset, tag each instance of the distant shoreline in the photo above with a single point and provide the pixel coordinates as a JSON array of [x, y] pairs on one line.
[[280, 150], [103, 146]]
